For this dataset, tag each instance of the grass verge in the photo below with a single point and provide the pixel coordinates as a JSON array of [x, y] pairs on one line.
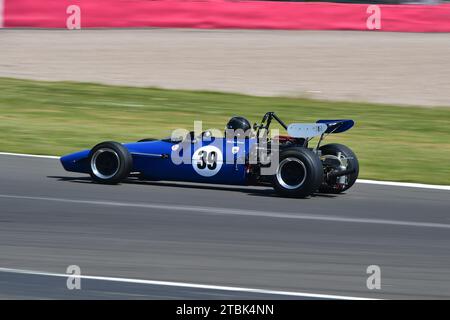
[[392, 143]]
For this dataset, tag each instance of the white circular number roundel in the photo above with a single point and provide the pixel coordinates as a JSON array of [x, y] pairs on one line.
[[207, 161]]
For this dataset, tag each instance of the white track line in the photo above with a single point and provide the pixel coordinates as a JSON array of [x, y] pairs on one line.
[[28, 155], [187, 285], [235, 212], [404, 184], [363, 181]]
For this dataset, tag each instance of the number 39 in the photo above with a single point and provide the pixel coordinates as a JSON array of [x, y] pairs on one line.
[[207, 160]]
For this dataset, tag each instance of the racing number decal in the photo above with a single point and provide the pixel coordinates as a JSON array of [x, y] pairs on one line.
[[207, 161]]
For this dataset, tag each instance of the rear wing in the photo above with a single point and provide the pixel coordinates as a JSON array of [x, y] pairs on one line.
[[306, 130], [337, 126]]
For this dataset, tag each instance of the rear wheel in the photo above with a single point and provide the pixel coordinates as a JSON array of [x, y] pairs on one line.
[[347, 159], [110, 162], [299, 173]]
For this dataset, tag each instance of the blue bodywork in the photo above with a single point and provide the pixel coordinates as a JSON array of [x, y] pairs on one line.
[[153, 159], [337, 126]]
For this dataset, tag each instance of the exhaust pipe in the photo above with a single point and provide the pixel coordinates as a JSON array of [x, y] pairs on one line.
[[341, 173]]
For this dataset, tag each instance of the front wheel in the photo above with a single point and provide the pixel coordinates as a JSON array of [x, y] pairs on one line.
[[109, 162], [299, 173]]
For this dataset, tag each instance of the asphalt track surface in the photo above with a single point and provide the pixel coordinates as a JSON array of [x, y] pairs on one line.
[[216, 235], [387, 67], [30, 286]]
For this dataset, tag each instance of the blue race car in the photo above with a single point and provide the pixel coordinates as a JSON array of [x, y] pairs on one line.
[[246, 155]]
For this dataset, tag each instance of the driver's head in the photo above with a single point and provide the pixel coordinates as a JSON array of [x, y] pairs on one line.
[[236, 123], [239, 126]]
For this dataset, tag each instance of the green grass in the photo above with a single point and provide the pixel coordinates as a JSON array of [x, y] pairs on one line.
[[392, 142]]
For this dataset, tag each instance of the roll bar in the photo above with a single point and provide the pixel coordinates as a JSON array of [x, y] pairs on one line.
[[266, 120]]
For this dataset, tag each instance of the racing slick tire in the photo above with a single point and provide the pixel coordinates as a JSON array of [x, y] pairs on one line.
[[299, 173], [109, 162], [353, 164]]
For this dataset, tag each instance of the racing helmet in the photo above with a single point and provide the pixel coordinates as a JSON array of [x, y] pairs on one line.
[[236, 123]]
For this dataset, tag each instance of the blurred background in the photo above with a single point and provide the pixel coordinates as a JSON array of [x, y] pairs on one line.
[[386, 67], [77, 72]]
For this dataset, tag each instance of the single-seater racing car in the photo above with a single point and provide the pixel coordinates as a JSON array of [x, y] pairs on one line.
[[250, 156]]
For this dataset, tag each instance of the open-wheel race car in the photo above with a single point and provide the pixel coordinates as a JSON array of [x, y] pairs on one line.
[[245, 155]]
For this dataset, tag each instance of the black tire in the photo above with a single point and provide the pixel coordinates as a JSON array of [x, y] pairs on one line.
[[299, 173], [333, 149], [109, 163]]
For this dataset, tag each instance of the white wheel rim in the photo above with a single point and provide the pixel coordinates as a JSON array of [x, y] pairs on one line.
[[282, 167], [95, 166]]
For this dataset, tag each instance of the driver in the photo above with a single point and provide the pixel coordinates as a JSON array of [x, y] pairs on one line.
[[240, 125]]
